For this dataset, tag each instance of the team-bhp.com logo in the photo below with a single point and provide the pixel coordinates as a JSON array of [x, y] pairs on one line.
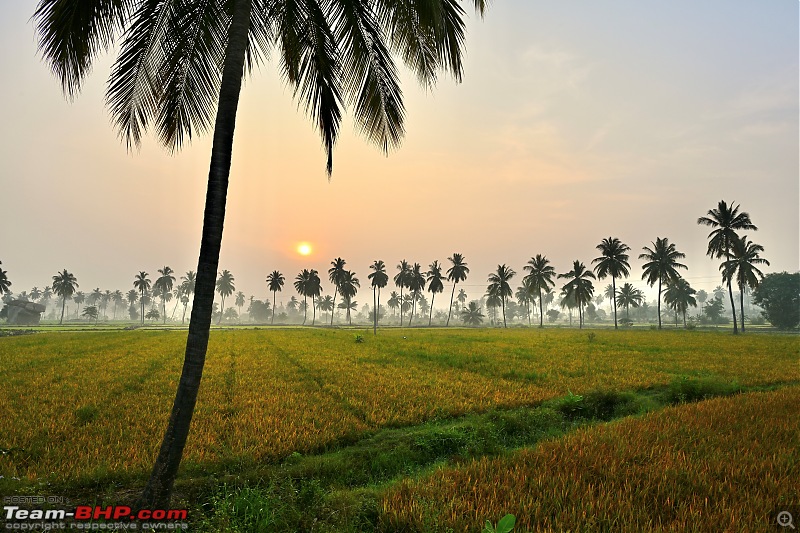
[[112, 517]]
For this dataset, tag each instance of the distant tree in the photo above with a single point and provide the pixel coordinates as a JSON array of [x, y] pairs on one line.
[[726, 221], [90, 312], [314, 290], [35, 294], [613, 262], [259, 311], [275, 281], [713, 310], [435, 284], [349, 306], [239, 302], [131, 297], [230, 315], [5, 284], [292, 305], [187, 289], [401, 279], [701, 296], [540, 278], [348, 288], [64, 285], [393, 302], [472, 316], [153, 314], [661, 266], [456, 273], [416, 284], [462, 298], [78, 298], [335, 276], [164, 284], [378, 280], [525, 295], [498, 283], [779, 295], [493, 302], [628, 296], [326, 304], [679, 296], [225, 287], [141, 283], [742, 266], [579, 287], [553, 314]]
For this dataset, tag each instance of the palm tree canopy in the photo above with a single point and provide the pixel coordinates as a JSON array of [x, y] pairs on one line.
[[378, 278], [725, 220], [141, 281], [613, 260], [541, 273], [275, 280], [629, 296], [225, 283], [435, 277], [416, 280], [64, 284], [661, 262], [745, 255], [458, 272], [165, 281], [579, 288], [498, 281], [349, 285], [336, 272], [402, 278], [679, 295]]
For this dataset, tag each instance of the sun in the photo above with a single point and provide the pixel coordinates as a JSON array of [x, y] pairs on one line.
[[304, 248]]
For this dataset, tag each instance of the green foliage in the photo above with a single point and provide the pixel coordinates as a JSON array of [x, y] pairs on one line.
[[86, 414], [607, 405], [570, 406], [359, 339], [685, 389], [505, 525], [779, 295]]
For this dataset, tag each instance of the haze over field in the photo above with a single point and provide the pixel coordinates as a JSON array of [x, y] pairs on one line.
[[574, 122]]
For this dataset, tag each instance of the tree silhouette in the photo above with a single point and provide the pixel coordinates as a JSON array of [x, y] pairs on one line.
[[275, 281], [78, 298], [326, 304], [348, 288], [499, 286], [456, 273], [401, 279], [435, 284], [335, 276], [579, 288], [118, 298], [5, 284], [64, 285], [745, 255], [393, 302], [679, 296], [225, 287], [378, 279], [472, 315], [164, 284], [612, 262], [187, 289], [540, 278], [131, 296], [662, 264], [314, 290], [240, 300], [416, 284], [726, 221], [629, 296], [91, 312]]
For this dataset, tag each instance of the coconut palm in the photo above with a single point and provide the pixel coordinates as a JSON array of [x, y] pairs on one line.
[[378, 279], [326, 304], [456, 273], [348, 289], [726, 221], [745, 255], [164, 285], [35, 294], [578, 288], [302, 284], [472, 315], [661, 266], [435, 283], [335, 276], [461, 297], [91, 312], [275, 281], [182, 62], [613, 262], [225, 287], [240, 300], [679, 295], [525, 296], [64, 285], [118, 298], [416, 284], [5, 284], [540, 278], [132, 296], [393, 302], [78, 298], [629, 296], [187, 289], [314, 290], [401, 279], [498, 285]]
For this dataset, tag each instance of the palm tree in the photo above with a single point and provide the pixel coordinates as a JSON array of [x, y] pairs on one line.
[[613, 262], [679, 295], [524, 296], [5, 284], [141, 282], [462, 297], [742, 265], [726, 221], [393, 302], [179, 62], [118, 298], [35, 294], [326, 304], [187, 289], [472, 315], [164, 284], [225, 287], [579, 287], [240, 300], [78, 298], [493, 301], [401, 280], [132, 297], [498, 284], [435, 283], [540, 278], [456, 273], [314, 290], [335, 276], [275, 281], [628, 296], [416, 284], [378, 279], [348, 288], [302, 284], [64, 285], [91, 312], [662, 264]]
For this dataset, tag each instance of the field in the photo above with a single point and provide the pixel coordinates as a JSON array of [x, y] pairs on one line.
[[82, 409]]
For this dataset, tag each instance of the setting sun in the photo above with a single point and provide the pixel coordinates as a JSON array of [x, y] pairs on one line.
[[304, 248]]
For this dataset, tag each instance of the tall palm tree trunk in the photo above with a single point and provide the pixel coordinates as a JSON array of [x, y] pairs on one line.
[[430, 314], [503, 300], [450, 309], [157, 493], [63, 305], [541, 309], [741, 304], [374, 311], [221, 305], [730, 288], [335, 288], [614, 299], [659, 303], [274, 293]]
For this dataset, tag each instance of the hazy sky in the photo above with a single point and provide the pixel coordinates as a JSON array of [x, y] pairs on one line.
[[575, 121]]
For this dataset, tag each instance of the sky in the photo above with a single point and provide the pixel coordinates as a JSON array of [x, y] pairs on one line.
[[575, 121]]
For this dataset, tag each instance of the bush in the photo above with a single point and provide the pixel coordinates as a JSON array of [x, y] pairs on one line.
[[606, 405], [684, 389], [570, 406]]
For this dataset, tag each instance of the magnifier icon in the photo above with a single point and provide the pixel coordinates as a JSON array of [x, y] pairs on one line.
[[785, 519]]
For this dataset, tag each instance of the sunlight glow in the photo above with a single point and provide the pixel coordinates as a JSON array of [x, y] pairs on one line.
[[304, 248]]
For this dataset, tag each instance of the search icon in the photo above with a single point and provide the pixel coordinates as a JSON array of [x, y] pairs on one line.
[[785, 519]]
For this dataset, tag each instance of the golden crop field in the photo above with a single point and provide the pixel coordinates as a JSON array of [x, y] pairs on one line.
[[727, 464], [77, 405]]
